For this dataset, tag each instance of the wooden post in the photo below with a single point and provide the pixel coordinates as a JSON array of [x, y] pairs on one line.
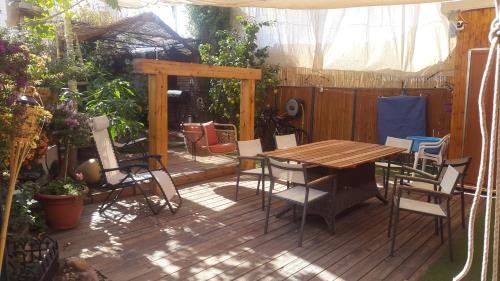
[[157, 117], [247, 109], [247, 114]]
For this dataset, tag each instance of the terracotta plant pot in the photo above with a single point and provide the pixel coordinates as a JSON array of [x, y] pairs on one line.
[[62, 211]]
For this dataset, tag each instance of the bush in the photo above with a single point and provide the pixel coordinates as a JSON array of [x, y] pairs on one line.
[[238, 49]]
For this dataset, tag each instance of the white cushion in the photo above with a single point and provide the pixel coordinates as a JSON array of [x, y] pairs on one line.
[[422, 207], [298, 194], [422, 185]]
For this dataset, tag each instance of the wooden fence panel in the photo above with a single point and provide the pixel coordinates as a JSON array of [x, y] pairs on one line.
[[334, 108], [366, 113], [302, 93], [438, 110], [333, 114]]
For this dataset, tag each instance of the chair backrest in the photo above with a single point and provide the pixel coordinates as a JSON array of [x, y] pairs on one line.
[[399, 143], [107, 157], [443, 153], [249, 148], [286, 141], [449, 180], [294, 173], [461, 165]]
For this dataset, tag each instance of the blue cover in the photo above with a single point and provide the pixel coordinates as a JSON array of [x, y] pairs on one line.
[[400, 117]]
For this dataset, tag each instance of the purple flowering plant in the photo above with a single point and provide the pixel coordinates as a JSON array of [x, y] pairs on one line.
[[68, 125]]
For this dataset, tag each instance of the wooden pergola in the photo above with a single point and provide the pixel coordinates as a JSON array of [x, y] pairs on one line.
[[159, 70]]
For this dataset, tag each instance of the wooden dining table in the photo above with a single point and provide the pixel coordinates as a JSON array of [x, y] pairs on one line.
[[352, 162]]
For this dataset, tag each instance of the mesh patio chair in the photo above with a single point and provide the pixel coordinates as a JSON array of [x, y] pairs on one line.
[[440, 210], [249, 150], [388, 164], [285, 141], [120, 174], [461, 164], [300, 194], [434, 151]]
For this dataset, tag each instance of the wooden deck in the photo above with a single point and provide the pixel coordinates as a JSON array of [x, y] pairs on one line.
[[184, 169], [213, 237]]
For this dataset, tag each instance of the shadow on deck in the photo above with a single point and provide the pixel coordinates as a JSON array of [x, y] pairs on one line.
[[214, 237]]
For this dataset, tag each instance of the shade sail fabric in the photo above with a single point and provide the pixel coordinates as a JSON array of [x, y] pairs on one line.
[[400, 117], [401, 38], [281, 4]]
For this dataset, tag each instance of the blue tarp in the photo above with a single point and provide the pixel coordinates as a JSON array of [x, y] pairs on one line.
[[400, 117]]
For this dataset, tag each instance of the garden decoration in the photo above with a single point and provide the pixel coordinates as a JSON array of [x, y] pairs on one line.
[[28, 119]]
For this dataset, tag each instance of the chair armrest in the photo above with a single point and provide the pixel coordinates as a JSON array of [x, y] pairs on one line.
[[426, 180], [129, 143], [424, 191], [126, 168], [232, 126], [321, 180], [142, 158], [417, 171], [256, 158]]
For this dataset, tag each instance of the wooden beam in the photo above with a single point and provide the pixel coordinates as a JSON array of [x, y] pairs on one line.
[[149, 66], [157, 117]]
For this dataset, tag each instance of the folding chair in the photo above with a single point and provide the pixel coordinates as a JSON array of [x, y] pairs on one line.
[[120, 174]]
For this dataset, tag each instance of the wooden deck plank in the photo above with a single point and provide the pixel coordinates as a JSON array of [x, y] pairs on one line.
[[213, 237]]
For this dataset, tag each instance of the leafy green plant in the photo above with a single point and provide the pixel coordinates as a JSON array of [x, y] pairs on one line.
[[239, 49], [118, 101], [66, 186], [26, 214]]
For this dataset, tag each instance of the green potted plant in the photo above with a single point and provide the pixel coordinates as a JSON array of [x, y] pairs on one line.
[[62, 201], [62, 197]]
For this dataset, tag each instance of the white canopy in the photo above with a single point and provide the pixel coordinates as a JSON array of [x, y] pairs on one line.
[[280, 4]]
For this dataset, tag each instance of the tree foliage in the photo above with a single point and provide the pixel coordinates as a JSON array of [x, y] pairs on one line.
[[238, 48], [205, 21]]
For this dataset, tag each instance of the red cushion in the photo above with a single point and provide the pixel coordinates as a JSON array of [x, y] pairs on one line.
[[211, 133], [222, 148]]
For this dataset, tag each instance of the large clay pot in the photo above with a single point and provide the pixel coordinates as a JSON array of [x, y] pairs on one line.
[[61, 211]]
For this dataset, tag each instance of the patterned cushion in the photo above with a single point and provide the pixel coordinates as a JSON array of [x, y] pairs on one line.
[[222, 148], [211, 133]]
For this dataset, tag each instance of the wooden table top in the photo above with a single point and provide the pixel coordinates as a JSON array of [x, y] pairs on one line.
[[337, 154]]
